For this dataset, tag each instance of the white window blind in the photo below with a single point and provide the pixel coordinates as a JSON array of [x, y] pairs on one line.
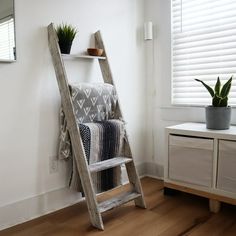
[[203, 47], [7, 39]]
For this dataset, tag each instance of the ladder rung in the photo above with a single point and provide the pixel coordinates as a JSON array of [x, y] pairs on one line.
[[117, 201], [107, 164]]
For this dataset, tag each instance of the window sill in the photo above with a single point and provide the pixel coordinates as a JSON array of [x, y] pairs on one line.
[[173, 106], [174, 113]]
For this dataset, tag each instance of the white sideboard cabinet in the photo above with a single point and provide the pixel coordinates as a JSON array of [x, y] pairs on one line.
[[202, 162]]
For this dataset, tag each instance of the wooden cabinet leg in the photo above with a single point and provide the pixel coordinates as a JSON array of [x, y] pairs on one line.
[[214, 205]]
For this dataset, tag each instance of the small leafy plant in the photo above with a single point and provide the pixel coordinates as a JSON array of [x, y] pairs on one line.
[[219, 95], [66, 34]]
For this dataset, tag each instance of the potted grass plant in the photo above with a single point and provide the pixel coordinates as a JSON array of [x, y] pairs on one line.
[[66, 34], [218, 115]]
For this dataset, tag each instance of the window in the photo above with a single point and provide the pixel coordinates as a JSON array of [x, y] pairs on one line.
[[203, 47], [7, 41]]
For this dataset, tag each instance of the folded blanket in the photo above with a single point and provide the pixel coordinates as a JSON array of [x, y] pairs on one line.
[[93, 102], [102, 140]]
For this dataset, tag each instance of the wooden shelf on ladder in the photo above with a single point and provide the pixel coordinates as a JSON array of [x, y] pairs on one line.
[[95, 209], [110, 163], [80, 56]]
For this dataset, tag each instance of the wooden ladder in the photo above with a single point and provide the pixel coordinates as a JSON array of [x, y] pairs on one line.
[[95, 209]]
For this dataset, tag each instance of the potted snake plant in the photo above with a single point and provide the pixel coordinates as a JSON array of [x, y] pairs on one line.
[[218, 115], [66, 34]]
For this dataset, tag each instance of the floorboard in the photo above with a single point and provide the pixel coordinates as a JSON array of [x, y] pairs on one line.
[[179, 215]]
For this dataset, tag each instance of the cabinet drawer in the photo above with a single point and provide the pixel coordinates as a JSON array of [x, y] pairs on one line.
[[191, 142], [190, 160], [226, 178]]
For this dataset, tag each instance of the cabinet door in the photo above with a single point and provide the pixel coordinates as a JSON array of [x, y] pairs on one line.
[[191, 160], [226, 179]]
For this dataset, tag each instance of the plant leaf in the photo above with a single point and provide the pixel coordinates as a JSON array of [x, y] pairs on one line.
[[223, 102], [226, 88], [217, 86], [216, 101], [210, 90], [66, 33]]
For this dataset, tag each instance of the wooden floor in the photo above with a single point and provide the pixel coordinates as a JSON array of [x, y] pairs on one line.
[[179, 215]]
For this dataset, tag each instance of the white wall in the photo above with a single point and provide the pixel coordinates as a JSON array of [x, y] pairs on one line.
[[6, 8], [158, 57], [29, 97]]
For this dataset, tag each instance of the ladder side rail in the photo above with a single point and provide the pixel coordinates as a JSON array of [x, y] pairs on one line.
[[74, 132], [106, 71], [108, 78]]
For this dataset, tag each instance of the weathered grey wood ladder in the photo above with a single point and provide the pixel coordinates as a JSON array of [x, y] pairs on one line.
[[95, 209]]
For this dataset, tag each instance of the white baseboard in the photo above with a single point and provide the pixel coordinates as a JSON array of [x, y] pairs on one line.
[[31, 208], [151, 169], [154, 177]]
